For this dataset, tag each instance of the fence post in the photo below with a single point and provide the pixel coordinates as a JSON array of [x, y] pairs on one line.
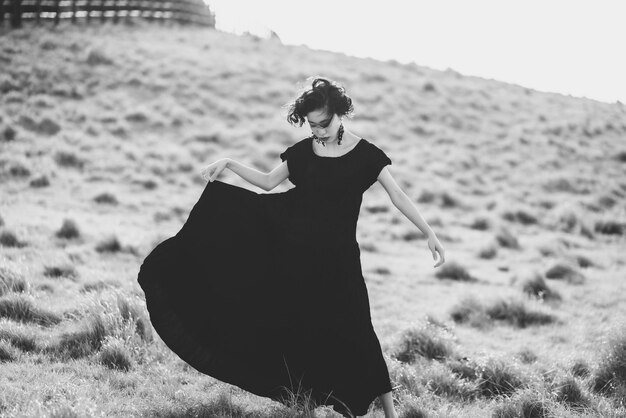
[[16, 13], [57, 12], [116, 6], [74, 12]]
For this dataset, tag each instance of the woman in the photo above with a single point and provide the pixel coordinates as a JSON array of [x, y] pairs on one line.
[[265, 291]]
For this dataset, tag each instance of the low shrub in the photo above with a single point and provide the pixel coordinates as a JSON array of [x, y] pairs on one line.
[[567, 272], [21, 309], [426, 341], [454, 271]]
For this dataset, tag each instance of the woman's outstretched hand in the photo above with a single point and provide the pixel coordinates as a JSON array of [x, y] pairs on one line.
[[213, 170], [437, 249]]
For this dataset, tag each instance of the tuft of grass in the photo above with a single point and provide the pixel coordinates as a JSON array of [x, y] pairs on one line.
[[426, 197], [19, 308], [621, 156], [454, 271], [382, 270], [9, 134], [96, 57], [9, 239], [411, 410], [404, 375], [442, 382], [133, 313], [41, 181], [83, 342], [97, 286], [469, 310], [568, 391], [136, 117], [68, 159], [18, 169], [114, 315], [499, 378], [413, 236], [45, 287], [527, 356], [536, 287], [570, 221], [10, 281], [377, 209], [506, 239], [520, 216], [109, 245], [567, 272], [7, 352], [148, 184], [64, 271], [580, 368], [222, 406], [161, 216], [19, 338], [106, 198], [548, 250], [115, 356], [584, 261], [561, 184], [69, 230], [607, 201], [528, 403], [449, 201], [609, 378], [508, 409], [64, 411], [426, 342], [481, 224], [516, 313], [609, 227], [463, 368], [488, 252]]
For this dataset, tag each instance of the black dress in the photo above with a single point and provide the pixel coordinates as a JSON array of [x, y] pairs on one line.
[[265, 290]]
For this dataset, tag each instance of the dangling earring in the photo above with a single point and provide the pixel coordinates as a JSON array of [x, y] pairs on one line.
[[340, 134]]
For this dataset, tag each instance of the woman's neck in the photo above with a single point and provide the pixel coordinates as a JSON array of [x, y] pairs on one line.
[[346, 141]]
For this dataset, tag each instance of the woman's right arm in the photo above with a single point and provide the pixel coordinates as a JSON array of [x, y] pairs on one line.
[[266, 181]]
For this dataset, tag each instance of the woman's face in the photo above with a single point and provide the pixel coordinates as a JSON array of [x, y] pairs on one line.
[[323, 125]]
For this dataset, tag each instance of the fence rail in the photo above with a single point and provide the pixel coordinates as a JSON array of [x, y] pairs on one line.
[[184, 11]]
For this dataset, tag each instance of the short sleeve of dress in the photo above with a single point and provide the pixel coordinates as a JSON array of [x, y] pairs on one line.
[[376, 160], [290, 155]]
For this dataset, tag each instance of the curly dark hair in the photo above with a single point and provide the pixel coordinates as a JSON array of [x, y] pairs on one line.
[[323, 94]]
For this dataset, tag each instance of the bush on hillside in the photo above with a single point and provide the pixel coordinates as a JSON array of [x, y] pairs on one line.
[[567, 272], [427, 342], [454, 271], [536, 287], [496, 377], [469, 310], [9, 239], [68, 230]]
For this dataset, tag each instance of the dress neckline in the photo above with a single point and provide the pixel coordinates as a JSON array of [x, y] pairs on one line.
[[340, 156]]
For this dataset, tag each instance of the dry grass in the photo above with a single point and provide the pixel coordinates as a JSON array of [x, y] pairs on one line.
[[107, 140]]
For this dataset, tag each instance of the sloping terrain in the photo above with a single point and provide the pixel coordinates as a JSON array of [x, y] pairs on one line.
[[99, 126]]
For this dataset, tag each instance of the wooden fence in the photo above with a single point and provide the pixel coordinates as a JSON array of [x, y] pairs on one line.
[[184, 11]]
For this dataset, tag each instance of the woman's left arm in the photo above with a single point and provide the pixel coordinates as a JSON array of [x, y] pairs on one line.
[[406, 206]]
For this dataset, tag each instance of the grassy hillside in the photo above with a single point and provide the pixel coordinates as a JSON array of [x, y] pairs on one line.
[[100, 126]]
